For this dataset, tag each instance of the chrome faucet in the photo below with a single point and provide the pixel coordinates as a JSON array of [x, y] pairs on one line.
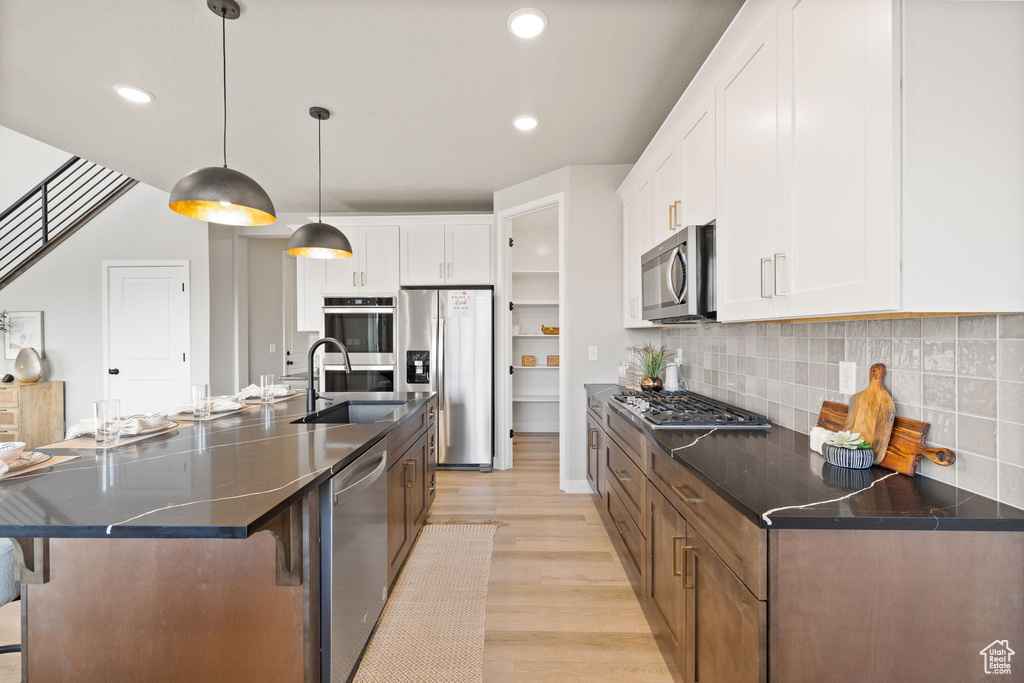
[[311, 393]]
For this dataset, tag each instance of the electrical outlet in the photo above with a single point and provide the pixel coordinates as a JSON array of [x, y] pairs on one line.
[[847, 378], [593, 353], [273, 348]]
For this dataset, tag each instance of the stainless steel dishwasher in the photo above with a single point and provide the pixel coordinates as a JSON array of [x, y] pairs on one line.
[[354, 560]]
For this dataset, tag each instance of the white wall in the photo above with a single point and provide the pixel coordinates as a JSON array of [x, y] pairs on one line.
[[67, 286], [266, 307], [24, 162]]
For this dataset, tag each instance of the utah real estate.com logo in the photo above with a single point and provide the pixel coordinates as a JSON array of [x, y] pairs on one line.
[[997, 657]]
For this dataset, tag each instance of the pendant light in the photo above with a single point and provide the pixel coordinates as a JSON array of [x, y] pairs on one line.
[[219, 194], [319, 240]]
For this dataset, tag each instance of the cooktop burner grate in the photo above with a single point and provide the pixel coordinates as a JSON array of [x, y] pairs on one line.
[[683, 409]]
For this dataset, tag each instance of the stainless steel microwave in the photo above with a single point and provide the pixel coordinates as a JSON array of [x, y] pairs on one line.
[[678, 277]]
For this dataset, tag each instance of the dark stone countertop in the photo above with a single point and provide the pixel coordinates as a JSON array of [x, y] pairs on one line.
[[760, 471], [219, 479]]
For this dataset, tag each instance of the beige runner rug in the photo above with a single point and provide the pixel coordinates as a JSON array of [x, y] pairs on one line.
[[432, 628]]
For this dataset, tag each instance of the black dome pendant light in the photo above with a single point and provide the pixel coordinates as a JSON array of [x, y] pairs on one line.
[[319, 240], [219, 194]]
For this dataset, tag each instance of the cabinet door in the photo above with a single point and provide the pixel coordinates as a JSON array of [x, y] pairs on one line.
[[422, 260], [468, 254], [667, 195], [310, 274], [645, 207], [697, 165], [399, 525], [747, 177], [593, 449], [430, 478], [666, 595], [838, 249], [631, 283], [342, 274], [416, 463], [378, 260], [726, 626]]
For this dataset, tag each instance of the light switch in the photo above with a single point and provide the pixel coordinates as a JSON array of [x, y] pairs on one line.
[[593, 353]]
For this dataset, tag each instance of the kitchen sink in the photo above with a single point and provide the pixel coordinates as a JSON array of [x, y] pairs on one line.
[[352, 412]]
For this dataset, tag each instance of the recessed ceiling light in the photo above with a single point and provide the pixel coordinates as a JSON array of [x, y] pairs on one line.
[[525, 122], [527, 22], [133, 94]]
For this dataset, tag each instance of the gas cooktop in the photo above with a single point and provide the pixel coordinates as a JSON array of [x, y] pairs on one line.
[[687, 410]]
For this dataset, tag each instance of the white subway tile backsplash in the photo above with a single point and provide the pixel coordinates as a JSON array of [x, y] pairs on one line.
[[964, 375]]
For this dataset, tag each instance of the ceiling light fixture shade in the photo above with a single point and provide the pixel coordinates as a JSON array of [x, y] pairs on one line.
[[527, 22], [319, 240], [525, 122], [133, 93], [218, 194]]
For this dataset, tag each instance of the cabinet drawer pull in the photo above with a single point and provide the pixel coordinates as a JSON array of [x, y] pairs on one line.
[[440, 269], [620, 475], [682, 570], [685, 495], [675, 554], [671, 220], [622, 531], [410, 461], [593, 438], [676, 222], [767, 282], [780, 260], [362, 278], [449, 269], [354, 283]]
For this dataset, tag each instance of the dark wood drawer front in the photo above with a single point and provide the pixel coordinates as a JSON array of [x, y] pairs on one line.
[[629, 438], [740, 543], [628, 479], [628, 534], [405, 435], [596, 406]]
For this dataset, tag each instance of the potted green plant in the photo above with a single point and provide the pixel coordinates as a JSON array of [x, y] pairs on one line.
[[651, 359]]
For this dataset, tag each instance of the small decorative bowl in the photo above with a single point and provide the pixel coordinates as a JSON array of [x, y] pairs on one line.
[[11, 450], [851, 458]]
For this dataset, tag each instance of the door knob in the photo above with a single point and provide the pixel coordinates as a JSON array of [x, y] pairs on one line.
[[114, 371], [289, 362]]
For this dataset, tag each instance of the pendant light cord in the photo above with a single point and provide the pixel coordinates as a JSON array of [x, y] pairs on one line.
[[319, 175], [224, 73]]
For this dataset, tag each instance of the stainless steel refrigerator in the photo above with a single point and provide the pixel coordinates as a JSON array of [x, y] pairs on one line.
[[446, 344]]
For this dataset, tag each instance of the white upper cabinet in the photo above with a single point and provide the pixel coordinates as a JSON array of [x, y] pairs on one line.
[[838, 246], [697, 164], [341, 275], [668, 192], [423, 259], [379, 260], [637, 235], [447, 255], [747, 172], [468, 251]]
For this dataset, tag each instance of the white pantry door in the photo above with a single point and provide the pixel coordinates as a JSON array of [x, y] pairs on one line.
[[146, 331]]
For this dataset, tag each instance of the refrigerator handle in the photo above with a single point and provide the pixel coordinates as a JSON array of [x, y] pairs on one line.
[[440, 362]]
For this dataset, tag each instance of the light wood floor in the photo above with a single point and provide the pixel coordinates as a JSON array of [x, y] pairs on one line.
[[559, 604]]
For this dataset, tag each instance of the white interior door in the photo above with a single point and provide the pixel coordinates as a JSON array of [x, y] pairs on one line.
[[294, 339], [147, 337]]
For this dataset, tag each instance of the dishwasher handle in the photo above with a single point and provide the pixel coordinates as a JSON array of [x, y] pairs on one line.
[[350, 490]]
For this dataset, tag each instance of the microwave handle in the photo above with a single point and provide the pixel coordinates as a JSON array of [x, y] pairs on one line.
[[677, 292]]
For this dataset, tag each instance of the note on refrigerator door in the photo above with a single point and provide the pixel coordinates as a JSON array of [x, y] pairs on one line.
[[461, 305]]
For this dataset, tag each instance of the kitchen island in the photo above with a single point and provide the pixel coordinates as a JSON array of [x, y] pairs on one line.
[[196, 554], [758, 561]]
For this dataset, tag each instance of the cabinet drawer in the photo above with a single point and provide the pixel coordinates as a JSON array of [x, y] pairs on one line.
[[740, 543], [8, 419], [627, 533], [9, 397], [627, 479], [405, 435], [6, 437], [596, 406], [630, 439]]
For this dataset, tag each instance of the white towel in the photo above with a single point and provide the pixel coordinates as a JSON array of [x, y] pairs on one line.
[[127, 426], [218, 404], [254, 391]]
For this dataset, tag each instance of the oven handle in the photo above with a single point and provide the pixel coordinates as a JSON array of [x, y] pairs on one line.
[[334, 310], [672, 287]]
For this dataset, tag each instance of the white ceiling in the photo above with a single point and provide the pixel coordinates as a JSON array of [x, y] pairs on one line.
[[422, 93]]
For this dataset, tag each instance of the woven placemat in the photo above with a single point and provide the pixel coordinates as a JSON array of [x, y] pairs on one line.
[[90, 441], [55, 460]]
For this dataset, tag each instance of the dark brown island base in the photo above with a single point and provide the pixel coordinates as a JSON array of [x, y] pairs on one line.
[[196, 556], [881, 577]]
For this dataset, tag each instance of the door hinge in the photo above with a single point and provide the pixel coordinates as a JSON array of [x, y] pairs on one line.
[[183, 286], [511, 433], [183, 358], [511, 305], [511, 370], [510, 241]]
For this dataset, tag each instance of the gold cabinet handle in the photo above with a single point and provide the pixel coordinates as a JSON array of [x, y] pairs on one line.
[[593, 439], [675, 571], [620, 475], [619, 526], [676, 222], [682, 571], [685, 495], [671, 220]]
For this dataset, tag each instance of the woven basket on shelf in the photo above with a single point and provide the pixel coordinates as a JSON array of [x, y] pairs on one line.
[[553, 361], [529, 361]]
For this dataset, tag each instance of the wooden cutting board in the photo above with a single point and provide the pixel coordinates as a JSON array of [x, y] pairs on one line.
[[906, 443], [872, 413]]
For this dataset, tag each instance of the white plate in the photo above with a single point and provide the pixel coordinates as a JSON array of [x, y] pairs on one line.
[[152, 430], [27, 460]]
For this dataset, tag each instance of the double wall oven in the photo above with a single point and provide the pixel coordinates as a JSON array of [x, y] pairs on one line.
[[367, 325]]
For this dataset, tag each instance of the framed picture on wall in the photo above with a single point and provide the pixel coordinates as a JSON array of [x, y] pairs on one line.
[[24, 330]]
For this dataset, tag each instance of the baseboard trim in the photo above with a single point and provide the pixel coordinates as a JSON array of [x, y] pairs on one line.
[[575, 486]]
